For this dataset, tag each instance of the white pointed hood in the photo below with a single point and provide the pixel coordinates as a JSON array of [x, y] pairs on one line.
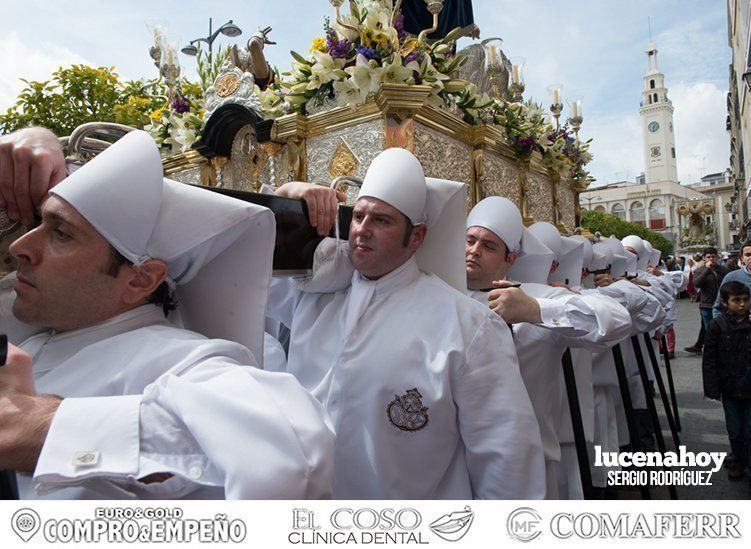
[[568, 252], [218, 250], [642, 256], [500, 216], [396, 177]]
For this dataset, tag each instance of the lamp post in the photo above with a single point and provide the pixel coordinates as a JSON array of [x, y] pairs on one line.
[[590, 199], [228, 29]]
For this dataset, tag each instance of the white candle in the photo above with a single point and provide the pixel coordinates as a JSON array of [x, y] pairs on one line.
[[493, 56], [574, 109], [515, 73], [170, 56], [556, 96]]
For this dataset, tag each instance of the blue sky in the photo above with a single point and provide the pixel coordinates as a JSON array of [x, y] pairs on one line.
[[594, 47]]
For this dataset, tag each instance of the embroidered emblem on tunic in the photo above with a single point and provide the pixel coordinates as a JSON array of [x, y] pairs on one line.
[[406, 412]]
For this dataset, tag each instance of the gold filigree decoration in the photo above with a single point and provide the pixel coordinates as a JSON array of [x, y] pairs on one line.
[[344, 161]]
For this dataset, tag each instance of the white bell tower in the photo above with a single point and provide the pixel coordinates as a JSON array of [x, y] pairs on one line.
[[658, 137]]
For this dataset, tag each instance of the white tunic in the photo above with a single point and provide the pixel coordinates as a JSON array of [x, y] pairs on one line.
[[568, 320], [143, 396], [422, 385]]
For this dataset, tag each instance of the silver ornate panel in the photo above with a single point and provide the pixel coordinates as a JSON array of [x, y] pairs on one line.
[[364, 140], [567, 202], [501, 178], [441, 156], [539, 198]]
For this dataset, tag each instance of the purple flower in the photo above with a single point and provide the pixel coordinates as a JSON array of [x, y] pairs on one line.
[[414, 56], [399, 26], [525, 145], [337, 48], [180, 104], [368, 53]]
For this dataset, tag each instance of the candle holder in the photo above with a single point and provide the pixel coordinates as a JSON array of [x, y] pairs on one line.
[[576, 119], [434, 7], [338, 4], [517, 78], [556, 106], [494, 63]]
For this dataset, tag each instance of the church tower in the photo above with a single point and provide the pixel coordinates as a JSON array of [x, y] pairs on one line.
[[658, 138]]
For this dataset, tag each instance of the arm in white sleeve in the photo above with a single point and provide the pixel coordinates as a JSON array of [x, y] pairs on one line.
[[645, 310], [587, 320], [496, 420], [255, 434]]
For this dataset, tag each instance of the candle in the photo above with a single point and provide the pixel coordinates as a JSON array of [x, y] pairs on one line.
[[574, 109], [170, 56], [556, 96], [493, 56], [515, 73]]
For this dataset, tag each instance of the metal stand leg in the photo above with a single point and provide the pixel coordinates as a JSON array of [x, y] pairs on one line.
[[671, 385], [576, 421], [651, 404], [628, 408], [661, 387]]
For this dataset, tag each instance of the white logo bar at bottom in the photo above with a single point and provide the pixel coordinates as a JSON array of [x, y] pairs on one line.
[[271, 524]]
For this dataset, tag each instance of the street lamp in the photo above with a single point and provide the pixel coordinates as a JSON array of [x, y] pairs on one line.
[[228, 29], [589, 200]]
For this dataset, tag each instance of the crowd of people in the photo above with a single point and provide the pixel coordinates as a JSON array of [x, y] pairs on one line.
[[424, 358]]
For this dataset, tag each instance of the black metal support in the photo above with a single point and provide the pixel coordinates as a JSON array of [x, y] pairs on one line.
[[651, 404], [576, 421], [663, 392], [628, 408], [671, 385]]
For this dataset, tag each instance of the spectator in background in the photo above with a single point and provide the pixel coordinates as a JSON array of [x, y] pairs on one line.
[[727, 374], [708, 279]]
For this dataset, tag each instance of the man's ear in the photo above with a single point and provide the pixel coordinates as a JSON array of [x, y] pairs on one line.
[[418, 236], [554, 266], [511, 258], [144, 280]]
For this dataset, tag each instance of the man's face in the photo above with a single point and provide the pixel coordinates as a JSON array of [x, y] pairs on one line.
[[486, 258], [376, 238], [745, 258], [710, 259], [62, 280], [738, 304]]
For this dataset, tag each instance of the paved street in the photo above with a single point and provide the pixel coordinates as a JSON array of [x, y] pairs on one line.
[[702, 421]]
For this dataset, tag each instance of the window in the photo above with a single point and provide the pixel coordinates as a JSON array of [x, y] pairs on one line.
[[651, 84], [657, 215], [655, 96], [637, 212], [600, 209], [619, 210]]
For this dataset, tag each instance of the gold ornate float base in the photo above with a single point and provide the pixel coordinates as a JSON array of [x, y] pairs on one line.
[[343, 141]]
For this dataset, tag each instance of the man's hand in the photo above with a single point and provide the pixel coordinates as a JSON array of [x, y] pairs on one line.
[[24, 423], [321, 202], [559, 284], [31, 163], [16, 375], [512, 304], [602, 280], [640, 282], [654, 271]]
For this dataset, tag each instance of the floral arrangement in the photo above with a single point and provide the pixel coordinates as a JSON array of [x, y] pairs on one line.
[[177, 124], [350, 62]]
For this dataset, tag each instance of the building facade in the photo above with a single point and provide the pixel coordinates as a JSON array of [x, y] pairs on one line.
[[739, 117]]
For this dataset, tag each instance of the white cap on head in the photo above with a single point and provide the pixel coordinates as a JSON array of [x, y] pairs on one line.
[[548, 235], [624, 262], [218, 250], [500, 216], [602, 257], [587, 259], [396, 177], [635, 242], [533, 262]]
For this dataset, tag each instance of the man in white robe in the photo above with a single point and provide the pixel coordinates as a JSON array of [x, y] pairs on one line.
[[422, 383], [123, 402], [546, 319]]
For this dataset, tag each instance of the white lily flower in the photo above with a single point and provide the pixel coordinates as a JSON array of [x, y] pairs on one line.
[[347, 92], [396, 73], [367, 75], [323, 71]]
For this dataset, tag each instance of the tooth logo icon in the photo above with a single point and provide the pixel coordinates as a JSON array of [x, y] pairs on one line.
[[25, 523], [454, 526]]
